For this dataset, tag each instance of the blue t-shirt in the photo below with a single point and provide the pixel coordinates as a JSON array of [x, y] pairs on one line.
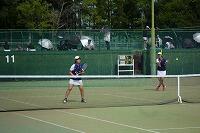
[[76, 69]]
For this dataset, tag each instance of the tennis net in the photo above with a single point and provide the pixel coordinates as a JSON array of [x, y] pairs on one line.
[[37, 92], [190, 88]]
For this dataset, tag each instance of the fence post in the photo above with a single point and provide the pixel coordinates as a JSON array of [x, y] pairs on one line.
[[179, 96]]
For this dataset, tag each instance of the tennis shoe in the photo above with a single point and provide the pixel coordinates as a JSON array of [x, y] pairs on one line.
[[83, 100], [65, 100]]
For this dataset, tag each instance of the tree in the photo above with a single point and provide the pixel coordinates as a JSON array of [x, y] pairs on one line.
[[179, 13], [89, 15], [66, 14], [8, 14], [133, 12], [117, 14], [34, 14]]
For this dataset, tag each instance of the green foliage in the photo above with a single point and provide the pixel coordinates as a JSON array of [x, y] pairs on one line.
[[179, 13], [34, 14], [8, 13], [90, 15], [97, 13]]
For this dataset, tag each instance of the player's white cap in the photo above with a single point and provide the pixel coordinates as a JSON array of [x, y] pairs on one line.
[[77, 57], [159, 53]]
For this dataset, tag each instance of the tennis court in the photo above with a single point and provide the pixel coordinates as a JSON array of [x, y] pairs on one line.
[[122, 105], [183, 118]]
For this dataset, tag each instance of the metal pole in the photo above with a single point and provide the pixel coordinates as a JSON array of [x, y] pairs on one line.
[[179, 95], [153, 47]]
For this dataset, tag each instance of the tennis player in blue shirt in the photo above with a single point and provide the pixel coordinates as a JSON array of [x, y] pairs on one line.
[[75, 70]]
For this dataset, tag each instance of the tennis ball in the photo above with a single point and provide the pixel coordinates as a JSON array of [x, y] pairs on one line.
[[176, 58]]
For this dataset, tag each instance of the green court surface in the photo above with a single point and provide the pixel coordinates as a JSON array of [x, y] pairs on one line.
[[171, 118], [113, 106], [27, 95]]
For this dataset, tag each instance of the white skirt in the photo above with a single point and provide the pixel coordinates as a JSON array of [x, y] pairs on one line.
[[75, 82], [161, 73]]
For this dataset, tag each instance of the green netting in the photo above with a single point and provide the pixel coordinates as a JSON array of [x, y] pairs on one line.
[[182, 38], [120, 39], [190, 89]]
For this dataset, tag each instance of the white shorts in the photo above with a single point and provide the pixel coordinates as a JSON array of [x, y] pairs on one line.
[[161, 73], [75, 82]]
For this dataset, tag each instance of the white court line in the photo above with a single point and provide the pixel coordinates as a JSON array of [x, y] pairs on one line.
[[176, 128], [2, 108], [55, 96], [9, 99], [142, 99], [107, 121], [36, 119], [75, 114]]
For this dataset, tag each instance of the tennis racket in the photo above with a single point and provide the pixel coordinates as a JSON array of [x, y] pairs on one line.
[[84, 67]]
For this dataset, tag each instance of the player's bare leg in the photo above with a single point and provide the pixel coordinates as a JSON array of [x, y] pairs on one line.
[[82, 93], [160, 83], [70, 87]]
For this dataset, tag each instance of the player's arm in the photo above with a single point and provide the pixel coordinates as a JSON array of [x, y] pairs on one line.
[[71, 69], [158, 62], [82, 72], [70, 73]]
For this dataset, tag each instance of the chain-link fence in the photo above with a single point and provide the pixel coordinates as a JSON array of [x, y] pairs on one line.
[[18, 40]]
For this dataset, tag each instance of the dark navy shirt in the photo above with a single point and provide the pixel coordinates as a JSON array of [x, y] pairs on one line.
[[76, 69], [163, 63]]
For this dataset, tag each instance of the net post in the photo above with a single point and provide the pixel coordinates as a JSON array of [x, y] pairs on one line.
[[179, 96]]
